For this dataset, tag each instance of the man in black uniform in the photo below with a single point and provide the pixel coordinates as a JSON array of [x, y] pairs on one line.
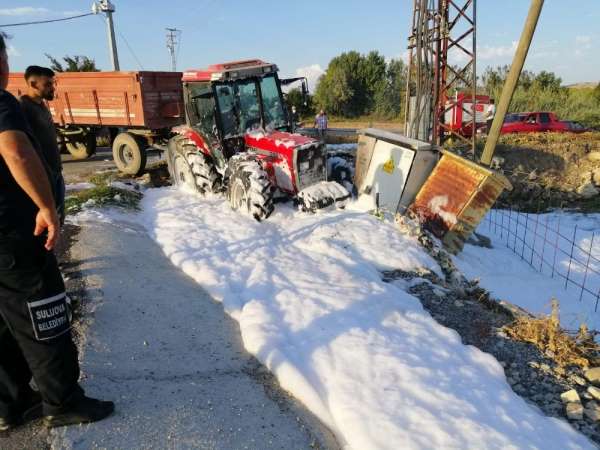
[[40, 87], [35, 337]]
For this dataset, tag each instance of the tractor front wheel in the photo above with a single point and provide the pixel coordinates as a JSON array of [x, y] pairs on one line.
[[342, 172], [188, 167], [206, 175], [249, 190]]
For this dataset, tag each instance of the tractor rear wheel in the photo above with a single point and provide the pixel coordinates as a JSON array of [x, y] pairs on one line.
[[249, 189]]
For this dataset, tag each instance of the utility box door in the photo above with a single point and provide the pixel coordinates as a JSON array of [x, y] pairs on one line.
[[387, 174]]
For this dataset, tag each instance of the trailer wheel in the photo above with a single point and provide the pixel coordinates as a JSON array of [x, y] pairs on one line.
[[250, 191], [129, 153], [83, 147]]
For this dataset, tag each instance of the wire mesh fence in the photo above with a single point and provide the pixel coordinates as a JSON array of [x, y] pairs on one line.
[[551, 245]]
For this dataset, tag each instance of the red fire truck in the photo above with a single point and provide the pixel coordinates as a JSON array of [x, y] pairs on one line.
[[459, 113]]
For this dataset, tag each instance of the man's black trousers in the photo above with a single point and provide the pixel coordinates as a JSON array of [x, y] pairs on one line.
[[35, 336]]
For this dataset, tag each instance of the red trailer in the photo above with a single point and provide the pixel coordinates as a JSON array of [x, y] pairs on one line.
[[138, 109]]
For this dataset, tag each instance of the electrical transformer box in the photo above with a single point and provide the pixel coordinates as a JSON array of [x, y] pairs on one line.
[[391, 168]]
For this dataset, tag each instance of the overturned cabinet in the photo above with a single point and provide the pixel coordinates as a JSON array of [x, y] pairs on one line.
[[456, 197], [391, 168]]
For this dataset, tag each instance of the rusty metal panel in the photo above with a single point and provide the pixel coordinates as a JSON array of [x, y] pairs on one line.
[[473, 213], [444, 195], [456, 197], [152, 100]]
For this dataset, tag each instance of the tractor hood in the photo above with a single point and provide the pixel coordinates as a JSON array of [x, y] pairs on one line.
[[278, 141], [296, 161]]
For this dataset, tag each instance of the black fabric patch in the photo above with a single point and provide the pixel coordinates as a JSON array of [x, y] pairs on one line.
[[50, 317]]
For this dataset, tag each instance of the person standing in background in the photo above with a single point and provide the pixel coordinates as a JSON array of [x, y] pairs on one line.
[[40, 86], [321, 125]]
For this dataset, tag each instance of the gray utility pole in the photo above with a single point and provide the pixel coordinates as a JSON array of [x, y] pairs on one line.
[[108, 9], [172, 43]]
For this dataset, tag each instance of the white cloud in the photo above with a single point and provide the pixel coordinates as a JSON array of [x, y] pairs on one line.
[[487, 52], [312, 74], [582, 43], [23, 11], [12, 51], [583, 40], [544, 54]]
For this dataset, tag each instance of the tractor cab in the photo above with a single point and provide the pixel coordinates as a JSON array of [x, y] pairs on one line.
[[226, 101]]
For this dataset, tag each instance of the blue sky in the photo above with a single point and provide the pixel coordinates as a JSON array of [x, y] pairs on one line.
[[301, 37]]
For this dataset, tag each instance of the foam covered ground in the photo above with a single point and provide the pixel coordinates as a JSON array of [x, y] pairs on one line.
[[362, 354]]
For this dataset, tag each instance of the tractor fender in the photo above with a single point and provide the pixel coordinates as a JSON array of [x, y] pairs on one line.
[[194, 137], [269, 160]]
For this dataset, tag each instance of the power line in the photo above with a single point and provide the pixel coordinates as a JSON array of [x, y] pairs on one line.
[[173, 45], [130, 49], [179, 47], [128, 46], [44, 21]]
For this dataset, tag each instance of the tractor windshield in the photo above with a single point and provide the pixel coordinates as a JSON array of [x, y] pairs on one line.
[[249, 107], [272, 107], [240, 107]]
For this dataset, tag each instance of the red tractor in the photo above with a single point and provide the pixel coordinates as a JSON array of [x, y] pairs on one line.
[[237, 138]]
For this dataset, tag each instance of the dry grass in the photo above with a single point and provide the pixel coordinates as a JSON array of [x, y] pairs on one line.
[[361, 122], [566, 349]]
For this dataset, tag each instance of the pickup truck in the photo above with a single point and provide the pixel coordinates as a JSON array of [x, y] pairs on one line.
[[539, 122]]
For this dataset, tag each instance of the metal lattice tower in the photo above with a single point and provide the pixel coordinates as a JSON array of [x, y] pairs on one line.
[[173, 40], [442, 60]]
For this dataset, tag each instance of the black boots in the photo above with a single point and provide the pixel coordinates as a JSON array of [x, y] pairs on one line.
[[84, 410], [30, 410]]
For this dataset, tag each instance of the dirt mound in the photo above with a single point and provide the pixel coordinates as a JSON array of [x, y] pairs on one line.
[[551, 170]]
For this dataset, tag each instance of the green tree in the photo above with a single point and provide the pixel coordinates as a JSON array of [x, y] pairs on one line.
[[372, 79], [295, 98], [334, 92], [493, 79], [75, 63], [350, 84], [547, 81], [390, 97]]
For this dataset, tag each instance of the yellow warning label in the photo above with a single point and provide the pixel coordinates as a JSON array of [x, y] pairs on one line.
[[389, 165]]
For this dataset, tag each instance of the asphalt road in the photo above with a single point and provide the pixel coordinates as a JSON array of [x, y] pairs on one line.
[[171, 359], [76, 171]]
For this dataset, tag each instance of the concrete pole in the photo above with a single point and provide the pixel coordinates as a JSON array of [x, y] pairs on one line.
[[108, 9], [511, 81]]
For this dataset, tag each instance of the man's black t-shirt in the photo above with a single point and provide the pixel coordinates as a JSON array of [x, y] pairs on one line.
[[17, 210], [42, 126]]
